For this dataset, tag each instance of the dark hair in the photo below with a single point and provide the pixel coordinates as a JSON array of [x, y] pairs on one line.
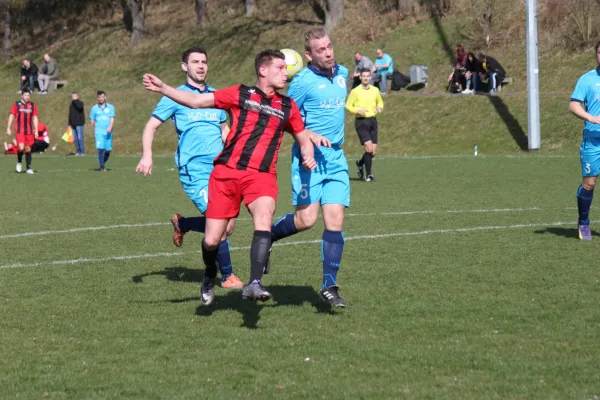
[[364, 70], [266, 56], [481, 56], [471, 54], [597, 46], [25, 91], [100, 92], [196, 49]]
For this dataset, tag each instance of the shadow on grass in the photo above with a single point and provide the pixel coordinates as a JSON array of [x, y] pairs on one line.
[[415, 87], [570, 233], [178, 274]]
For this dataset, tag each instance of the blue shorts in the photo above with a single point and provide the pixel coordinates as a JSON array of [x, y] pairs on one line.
[[328, 184], [589, 153], [104, 141], [194, 180]]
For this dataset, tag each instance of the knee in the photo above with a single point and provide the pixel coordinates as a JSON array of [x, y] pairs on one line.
[[589, 184], [306, 220], [211, 242]]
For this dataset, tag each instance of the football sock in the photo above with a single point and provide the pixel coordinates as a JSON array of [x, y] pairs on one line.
[[283, 227], [196, 224], [224, 259], [106, 155], [210, 261], [584, 203], [361, 162], [332, 247], [261, 243], [368, 162], [101, 158], [20, 157], [28, 160]]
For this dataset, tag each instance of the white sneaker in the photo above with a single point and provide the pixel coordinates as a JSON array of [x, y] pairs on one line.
[[18, 167], [467, 91], [29, 171]]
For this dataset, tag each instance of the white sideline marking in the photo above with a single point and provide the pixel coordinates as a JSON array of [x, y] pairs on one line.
[[98, 228], [300, 242]]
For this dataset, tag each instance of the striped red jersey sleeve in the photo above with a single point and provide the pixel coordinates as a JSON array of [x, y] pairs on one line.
[[14, 110], [227, 98], [295, 124]]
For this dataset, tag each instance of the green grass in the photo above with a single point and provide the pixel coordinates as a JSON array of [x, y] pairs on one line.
[[464, 305]]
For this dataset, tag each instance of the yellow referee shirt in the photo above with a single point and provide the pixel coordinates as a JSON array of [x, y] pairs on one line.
[[368, 99]]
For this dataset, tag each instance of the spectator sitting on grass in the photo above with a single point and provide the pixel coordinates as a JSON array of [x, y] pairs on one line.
[[49, 71], [493, 71], [29, 74], [457, 80]]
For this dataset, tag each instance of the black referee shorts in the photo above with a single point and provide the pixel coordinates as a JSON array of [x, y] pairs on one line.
[[366, 129]]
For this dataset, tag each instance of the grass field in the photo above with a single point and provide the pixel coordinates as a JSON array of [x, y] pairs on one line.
[[463, 275]]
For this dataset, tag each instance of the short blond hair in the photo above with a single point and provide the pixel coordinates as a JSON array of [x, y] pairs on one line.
[[313, 34]]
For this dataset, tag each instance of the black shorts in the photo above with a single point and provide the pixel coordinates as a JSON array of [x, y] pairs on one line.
[[366, 129]]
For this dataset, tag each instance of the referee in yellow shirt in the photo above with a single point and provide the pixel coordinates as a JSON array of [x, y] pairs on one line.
[[365, 102]]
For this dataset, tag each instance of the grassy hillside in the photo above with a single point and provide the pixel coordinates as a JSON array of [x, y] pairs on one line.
[[422, 122]]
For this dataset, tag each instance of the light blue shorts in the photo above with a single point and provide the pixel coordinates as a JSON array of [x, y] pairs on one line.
[[589, 153], [194, 180], [328, 184], [104, 141]]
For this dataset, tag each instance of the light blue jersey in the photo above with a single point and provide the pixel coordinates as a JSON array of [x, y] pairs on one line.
[[386, 59], [200, 141], [199, 130], [587, 91], [321, 100], [102, 116]]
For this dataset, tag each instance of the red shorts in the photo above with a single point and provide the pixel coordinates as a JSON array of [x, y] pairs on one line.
[[228, 186], [28, 140]]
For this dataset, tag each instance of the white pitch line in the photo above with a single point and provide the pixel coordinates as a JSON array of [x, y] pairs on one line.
[[301, 242], [121, 226]]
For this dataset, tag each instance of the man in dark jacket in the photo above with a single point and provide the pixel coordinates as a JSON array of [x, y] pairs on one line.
[[29, 74], [76, 122], [493, 70]]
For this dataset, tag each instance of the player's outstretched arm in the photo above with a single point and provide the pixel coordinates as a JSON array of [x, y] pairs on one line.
[[187, 99], [145, 164], [577, 110], [307, 149], [318, 140]]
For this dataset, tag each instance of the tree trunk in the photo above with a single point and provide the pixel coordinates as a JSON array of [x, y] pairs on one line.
[[334, 11], [8, 50], [201, 14], [138, 15], [405, 6], [250, 7]]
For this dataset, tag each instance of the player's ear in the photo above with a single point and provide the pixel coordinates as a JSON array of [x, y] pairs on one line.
[[184, 67], [307, 55]]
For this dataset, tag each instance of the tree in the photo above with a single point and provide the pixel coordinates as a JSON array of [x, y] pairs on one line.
[[201, 14], [138, 16], [334, 11], [250, 7], [6, 8]]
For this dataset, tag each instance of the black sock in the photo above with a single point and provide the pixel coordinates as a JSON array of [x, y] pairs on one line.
[[106, 155], [20, 157], [261, 243], [196, 224], [368, 162], [28, 160], [361, 162], [210, 261]]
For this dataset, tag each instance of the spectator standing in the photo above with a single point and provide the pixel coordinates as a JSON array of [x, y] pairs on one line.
[[493, 71], [384, 67], [360, 62], [29, 74], [49, 70], [76, 122]]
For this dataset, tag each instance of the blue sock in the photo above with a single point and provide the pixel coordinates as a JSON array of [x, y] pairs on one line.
[[283, 227], [332, 248], [101, 158], [224, 260], [106, 155], [584, 203], [196, 224]]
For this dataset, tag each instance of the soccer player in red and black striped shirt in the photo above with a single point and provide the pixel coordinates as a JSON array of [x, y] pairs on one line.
[[245, 169], [25, 116]]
